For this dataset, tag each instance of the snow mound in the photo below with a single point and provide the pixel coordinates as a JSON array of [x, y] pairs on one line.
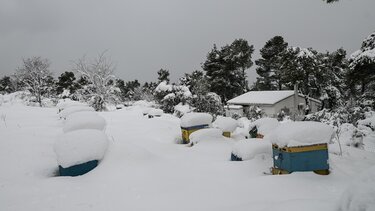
[[65, 103], [74, 109], [80, 146], [226, 124], [301, 134], [84, 120], [155, 112], [207, 134], [180, 109], [368, 122], [359, 196], [247, 149], [194, 119], [265, 125]]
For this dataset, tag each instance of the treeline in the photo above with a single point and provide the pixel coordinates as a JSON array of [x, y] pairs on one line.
[[329, 76]]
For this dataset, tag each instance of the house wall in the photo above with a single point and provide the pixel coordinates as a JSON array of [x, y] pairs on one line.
[[285, 104]]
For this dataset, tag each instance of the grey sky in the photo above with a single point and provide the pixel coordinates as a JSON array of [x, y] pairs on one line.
[[142, 36]]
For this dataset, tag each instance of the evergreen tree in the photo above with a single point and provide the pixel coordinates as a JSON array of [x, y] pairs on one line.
[[270, 64], [6, 85], [361, 74], [163, 75], [225, 69], [66, 81]]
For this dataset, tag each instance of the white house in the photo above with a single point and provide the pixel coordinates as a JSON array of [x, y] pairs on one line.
[[272, 103]]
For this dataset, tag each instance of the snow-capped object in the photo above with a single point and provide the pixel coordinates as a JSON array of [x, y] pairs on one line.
[[155, 112], [65, 103], [360, 194], [261, 97], [80, 146], [300, 134], [194, 119], [265, 125], [226, 124], [206, 134], [163, 86], [247, 149], [73, 109], [84, 120], [368, 122], [182, 109]]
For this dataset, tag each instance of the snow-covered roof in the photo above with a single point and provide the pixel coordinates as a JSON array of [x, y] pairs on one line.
[[263, 97]]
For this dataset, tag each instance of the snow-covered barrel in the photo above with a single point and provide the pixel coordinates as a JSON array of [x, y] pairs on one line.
[[84, 120], [300, 146], [249, 148], [226, 124], [263, 126], [192, 122], [78, 152]]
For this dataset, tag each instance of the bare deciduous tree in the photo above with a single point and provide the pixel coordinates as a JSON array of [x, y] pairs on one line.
[[99, 74], [36, 76]]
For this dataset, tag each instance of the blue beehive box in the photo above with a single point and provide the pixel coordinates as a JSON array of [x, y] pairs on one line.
[[300, 158], [79, 169]]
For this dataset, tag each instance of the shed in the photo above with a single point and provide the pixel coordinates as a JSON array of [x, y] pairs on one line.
[[273, 103]]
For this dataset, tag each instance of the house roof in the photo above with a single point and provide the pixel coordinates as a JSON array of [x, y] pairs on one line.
[[263, 97]]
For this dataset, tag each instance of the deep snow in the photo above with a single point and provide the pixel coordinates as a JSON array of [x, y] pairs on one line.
[[144, 169]]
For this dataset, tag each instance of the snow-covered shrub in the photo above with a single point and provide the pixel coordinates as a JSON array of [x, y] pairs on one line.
[[101, 88], [80, 146], [254, 113], [349, 135], [168, 96], [180, 110], [210, 103]]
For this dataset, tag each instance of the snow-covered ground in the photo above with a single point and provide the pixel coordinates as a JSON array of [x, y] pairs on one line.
[[144, 169]]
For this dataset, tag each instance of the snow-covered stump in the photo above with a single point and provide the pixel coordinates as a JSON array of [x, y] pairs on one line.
[[226, 124], [263, 126], [78, 152], [301, 146], [249, 148], [192, 122]]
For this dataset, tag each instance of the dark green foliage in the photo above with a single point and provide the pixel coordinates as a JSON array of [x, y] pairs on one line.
[[66, 81], [270, 64], [6, 85], [225, 69], [361, 74], [163, 75]]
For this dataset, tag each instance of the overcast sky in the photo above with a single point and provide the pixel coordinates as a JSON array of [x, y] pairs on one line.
[[142, 36]]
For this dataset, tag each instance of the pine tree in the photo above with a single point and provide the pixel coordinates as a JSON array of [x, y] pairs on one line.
[[225, 69], [163, 75], [66, 81], [361, 74], [270, 64], [6, 85]]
